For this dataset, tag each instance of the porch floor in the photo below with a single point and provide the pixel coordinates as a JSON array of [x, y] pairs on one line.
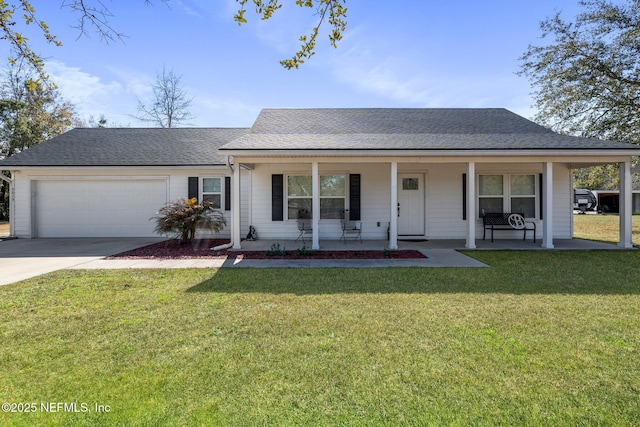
[[427, 245]]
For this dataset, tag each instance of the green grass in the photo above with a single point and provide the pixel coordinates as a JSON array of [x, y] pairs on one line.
[[540, 338], [605, 228]]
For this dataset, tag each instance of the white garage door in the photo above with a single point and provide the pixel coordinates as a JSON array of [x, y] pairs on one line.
[[98, 208]]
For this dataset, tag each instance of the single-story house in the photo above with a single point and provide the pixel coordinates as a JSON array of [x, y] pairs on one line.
[[110, 182], [401, 173]]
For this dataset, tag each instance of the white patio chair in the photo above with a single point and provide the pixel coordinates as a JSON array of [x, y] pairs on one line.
[[351, 230]]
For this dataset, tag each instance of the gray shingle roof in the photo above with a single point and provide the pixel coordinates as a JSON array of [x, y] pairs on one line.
[[306, 129], [405, 129], [129, 147]]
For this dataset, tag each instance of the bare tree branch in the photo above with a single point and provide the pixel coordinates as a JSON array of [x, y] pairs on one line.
[[170, 106]]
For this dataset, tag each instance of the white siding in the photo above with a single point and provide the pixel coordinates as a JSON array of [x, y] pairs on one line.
[[562, 202], [374, 200], [176, 187], [22, 207], [443, 199], [444, 202]]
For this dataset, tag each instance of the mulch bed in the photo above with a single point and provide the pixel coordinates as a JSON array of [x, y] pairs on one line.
[[200, 248]]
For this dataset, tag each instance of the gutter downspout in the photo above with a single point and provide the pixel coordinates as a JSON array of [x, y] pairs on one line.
[[230, 244], [11, 183]]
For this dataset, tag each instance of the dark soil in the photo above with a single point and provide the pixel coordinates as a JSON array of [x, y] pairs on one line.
[[200, 248]]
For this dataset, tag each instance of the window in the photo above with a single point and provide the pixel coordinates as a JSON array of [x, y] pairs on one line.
[[299, 191], [332, 196], [490, 193], [507, 193], [410, 183], [212, 190], [523, 195]]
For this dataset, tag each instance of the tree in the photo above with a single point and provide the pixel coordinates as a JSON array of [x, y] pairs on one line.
[[94, 14], [30, 113], [587, 78], [19, 46], [170, 106], [101, 122]]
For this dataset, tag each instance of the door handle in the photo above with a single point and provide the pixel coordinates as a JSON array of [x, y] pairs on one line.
[[398, 209]]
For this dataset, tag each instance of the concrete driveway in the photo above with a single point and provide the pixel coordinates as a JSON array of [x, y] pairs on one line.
[[24, 258]]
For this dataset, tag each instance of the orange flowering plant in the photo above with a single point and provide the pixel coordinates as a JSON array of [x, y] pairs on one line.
[[182, 217]]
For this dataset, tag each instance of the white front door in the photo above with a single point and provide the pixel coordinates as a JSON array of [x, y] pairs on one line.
[[411, 204]]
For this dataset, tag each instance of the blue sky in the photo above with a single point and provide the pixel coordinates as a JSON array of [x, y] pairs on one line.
[[401, 53]]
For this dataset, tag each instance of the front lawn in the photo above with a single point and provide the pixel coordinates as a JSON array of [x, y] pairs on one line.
[[540, 338], [605, 228]]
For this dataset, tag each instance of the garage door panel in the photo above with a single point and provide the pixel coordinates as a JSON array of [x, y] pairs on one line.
[[97, 208]]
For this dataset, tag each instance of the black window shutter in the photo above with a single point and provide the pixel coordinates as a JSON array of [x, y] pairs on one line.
[[227, 193], [464, 196], [277, 197], [354, 197], [193, 187], [541, 186]]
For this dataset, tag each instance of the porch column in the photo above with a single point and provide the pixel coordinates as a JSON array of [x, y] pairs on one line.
[[235, 209], [393, 221], [625, 205], [471, 206], [315, 206], [547, 199]]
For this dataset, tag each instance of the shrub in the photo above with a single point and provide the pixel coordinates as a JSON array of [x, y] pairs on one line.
[[277, 250], [304, 251], [182, 217]]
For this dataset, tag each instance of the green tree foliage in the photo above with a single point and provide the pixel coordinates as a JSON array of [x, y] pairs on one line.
[[586, 78], [597, 178], [16, 16], [30, 113], [11, 15], [333, 12], [183, 217]]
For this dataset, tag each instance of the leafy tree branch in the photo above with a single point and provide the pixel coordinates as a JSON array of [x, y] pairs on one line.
[[94, 14], [333, 12], [586, 77]]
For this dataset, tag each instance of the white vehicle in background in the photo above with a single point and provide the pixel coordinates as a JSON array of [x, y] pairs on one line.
[[584, 200]]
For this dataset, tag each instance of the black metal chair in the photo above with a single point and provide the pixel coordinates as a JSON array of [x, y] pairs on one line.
[[305, 228], [351, 230]]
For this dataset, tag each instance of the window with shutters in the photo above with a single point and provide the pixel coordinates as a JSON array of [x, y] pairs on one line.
[[507, 193], [333, 196], [211, 189]]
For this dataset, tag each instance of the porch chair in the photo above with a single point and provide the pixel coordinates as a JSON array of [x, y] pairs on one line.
[[305, 229], [351, 229]]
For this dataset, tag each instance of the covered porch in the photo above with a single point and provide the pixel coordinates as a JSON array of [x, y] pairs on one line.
[[444, 203], [456, 163]]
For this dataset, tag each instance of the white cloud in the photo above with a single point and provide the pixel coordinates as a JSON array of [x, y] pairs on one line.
[[79, 86], [94, 96], [116, 99], [188, 9]]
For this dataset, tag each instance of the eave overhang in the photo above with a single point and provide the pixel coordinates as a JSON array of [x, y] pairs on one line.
[[433, 153]]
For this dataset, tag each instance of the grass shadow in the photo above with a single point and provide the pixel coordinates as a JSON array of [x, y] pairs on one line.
[[510, 272]]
